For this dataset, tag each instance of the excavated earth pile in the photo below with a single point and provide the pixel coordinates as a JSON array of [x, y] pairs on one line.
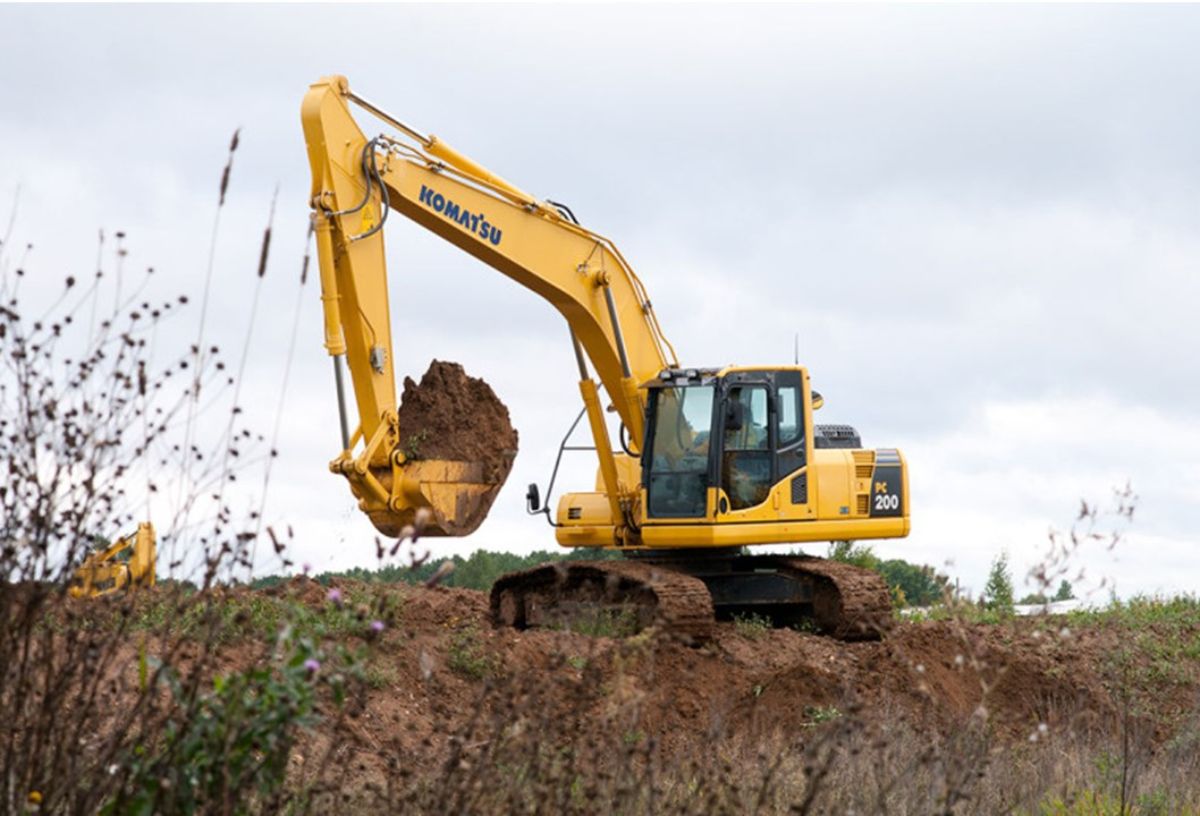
[[443, 684]]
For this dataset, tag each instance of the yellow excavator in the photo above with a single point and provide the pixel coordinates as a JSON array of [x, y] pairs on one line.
[[127, 563], [711, 460]]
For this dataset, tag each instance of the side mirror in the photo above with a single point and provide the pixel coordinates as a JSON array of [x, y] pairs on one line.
[[735, 415], [533, 499], [817, 400]]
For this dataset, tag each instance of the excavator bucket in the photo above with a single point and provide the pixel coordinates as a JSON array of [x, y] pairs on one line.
[[457, 446], [441, 497]]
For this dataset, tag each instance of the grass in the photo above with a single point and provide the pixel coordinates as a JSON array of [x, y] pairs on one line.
[[821, 714], [751, 626], [254, 616], [412, 445], [607, 623], [1092, 802], [1182, 611], [959, 611], [467, 655], [380, 674]]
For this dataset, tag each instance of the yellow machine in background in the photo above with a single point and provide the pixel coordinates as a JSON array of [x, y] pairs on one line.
[[711, 459], [130, 562]]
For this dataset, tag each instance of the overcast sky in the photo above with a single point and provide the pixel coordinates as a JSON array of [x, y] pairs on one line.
[[983, 223]]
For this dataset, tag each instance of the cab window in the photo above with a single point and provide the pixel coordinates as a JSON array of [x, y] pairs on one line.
[[676, 456], [790, 418], [789, 452], [746, 446]]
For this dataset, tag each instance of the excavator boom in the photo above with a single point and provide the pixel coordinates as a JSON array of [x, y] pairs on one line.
[[357, 183]]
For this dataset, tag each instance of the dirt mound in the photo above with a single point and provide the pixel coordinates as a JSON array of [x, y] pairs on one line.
[[451, 415], [934, 676], [448, 684], [440, 684]]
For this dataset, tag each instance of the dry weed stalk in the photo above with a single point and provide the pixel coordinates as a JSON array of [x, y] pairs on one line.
[[127, 703]]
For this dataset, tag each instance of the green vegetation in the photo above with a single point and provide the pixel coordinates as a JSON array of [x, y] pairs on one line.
[[998, 592], [611, 623], [910, 584], [241, 615], [467, 656], [1159, 648], [751, 626], [1157, 616], [960, 610], [412, 446], [1142, 611], [1065, 593], [225, 743], [479, 570], [821, 714], [1097, 803], [380, 674]]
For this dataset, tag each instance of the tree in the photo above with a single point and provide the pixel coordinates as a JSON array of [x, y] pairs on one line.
[[998, 593], [1065, 591], [860, 555], [910, 584], [918, 585]]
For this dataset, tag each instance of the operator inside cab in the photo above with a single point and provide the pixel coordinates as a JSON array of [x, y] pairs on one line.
[[746, 463]]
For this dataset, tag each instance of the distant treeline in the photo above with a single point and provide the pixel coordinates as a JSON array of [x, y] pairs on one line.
[[911, 584], [479, 570]]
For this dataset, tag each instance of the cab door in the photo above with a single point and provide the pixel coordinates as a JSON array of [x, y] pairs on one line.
[[791, 445], [746, 471]]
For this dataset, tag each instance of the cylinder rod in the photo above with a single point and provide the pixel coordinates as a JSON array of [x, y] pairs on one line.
[[583, 371], [391, 120], [341, 400], [616, 325]]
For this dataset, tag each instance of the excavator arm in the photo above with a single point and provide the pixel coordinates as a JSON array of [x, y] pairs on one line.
[[358, 183]]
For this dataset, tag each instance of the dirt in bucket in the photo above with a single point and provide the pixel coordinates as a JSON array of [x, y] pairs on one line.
[[450, 415]]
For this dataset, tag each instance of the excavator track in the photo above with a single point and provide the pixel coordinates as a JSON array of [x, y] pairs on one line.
[[849, 602], [636, 595], [684, 593]]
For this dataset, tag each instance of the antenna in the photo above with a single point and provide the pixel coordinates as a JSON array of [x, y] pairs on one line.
[[796, 349]]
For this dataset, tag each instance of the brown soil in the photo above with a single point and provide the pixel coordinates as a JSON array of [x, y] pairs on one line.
[[451, 415], [934, 677], [746, 686]]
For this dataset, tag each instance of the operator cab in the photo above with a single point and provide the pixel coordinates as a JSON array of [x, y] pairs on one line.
[[717, 441]]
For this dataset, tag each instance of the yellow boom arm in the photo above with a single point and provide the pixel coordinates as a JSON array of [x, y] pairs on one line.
[[357, 182]]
